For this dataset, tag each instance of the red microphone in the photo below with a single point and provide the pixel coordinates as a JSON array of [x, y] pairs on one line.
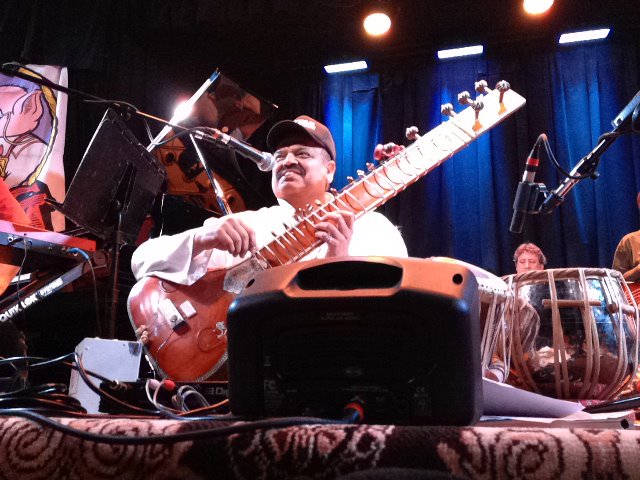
[[533, 161]]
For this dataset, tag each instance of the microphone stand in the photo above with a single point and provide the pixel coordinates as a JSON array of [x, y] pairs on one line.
[[543, 201], [118, 205], [217, 189], [585, 168]]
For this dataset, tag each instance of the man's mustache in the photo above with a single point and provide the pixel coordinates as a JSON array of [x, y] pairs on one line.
[[294, 168]]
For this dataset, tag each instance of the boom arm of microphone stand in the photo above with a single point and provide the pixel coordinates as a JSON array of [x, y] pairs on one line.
[[584, 168], [13, 70]]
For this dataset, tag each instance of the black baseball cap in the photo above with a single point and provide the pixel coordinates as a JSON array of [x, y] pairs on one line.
[[305, 125]]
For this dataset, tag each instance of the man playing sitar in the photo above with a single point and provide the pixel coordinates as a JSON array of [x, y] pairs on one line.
[[305, 162]]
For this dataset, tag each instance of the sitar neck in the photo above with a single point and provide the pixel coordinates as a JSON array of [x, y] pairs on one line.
[[373, 188]]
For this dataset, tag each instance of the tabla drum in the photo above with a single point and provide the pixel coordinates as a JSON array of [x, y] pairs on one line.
[[496, 299], [574, 333]]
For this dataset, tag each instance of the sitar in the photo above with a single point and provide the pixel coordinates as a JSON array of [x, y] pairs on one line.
[[186, 325]]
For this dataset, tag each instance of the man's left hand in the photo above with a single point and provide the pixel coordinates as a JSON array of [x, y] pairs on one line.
[[335, 229]]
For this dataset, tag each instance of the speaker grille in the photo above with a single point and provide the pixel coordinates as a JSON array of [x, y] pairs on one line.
[[351, 351], [344, 352]]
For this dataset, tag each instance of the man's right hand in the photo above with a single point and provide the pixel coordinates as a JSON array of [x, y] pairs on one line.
[[227, 233]]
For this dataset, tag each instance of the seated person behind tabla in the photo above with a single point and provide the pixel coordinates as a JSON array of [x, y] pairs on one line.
[[527, 257]]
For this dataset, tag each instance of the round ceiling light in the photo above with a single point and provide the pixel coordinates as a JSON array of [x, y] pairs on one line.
[[536, 7], [377, 24]]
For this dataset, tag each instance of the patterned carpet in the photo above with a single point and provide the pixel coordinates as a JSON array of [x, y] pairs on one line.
[[29, 450]]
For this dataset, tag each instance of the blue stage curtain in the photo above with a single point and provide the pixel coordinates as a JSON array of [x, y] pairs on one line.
[[463, 208], [352, 113]]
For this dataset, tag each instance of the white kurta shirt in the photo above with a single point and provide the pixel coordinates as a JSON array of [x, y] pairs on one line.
[[171, 257]]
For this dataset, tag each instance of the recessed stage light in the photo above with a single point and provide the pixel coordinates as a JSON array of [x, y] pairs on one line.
[[346, 67], [584, 36], [460, 52]]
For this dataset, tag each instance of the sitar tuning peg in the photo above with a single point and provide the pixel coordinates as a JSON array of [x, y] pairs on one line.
[[464, 98], [384, 152], [482, 87], [447, 109], [350, 179], [370, 166], [502, 86], [360, 173], [412, 133]]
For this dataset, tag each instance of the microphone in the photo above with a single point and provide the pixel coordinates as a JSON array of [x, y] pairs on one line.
[[263, 160], [527, 190]]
